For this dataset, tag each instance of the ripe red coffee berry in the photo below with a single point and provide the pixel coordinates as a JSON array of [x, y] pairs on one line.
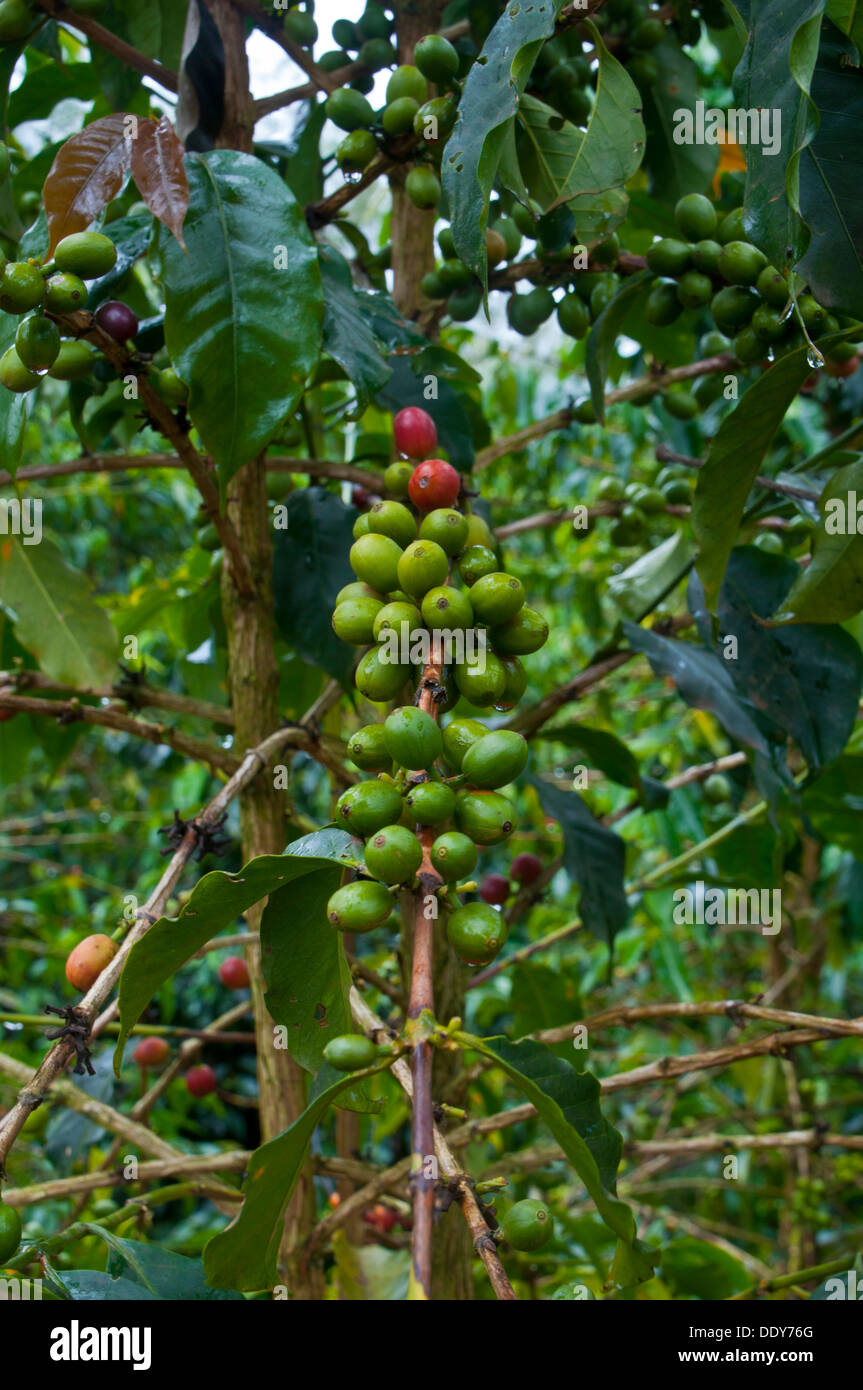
[[415, 433], [234, 973], [200, 1081], [117, 320], [525, 868], [361, 497], [494, 889], [151, 1052], [434, 483]]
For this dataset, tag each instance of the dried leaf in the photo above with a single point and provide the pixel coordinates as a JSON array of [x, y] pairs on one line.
[[88, 171], [160, 175]]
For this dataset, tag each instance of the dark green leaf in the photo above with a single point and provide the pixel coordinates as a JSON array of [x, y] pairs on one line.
[[603, 335], [593, 855], [310, 565], [348, 335], [696, 1269], [243, 307], [675, 168], [165, 1274], [488, 102]]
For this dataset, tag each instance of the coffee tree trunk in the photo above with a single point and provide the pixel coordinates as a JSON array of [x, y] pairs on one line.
[[254, 680]]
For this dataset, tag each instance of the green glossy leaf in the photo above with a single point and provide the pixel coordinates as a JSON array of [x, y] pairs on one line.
[[243, 306], [779, 59], [847, 15], [674, 168], [163, 1273], [734, 461], [584, 169], [830, 589], [567, 1101], [653, 575], [696, 1269], [544, 997], [602, 338], [92, 1286], [803, 681], [488, 103], [56, 620], [310, 566], [348, 334], [607, 752], [834, 803], [216, 901], [244, 1256], [593, 855], [831, 180]]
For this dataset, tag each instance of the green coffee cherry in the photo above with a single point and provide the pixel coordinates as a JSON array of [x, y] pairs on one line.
[[356, 590], [356, 151], [768, 324], [423, 187], [430, 803], [717, 787], [407, 82], [454, 856], [462, 305], [572, 316], [394, 520], [669, 256], [663, 306], [397, 476], [353, 621], [351, 1052], [481, 682], [475, 562], [64, 293], [528, 1225], [367, 748], [412, 737], [378, 678], [516, 682], [506, 228], [21, 287], [422, 566], [773, 287], [360, 526], [476, 933], [458, 736], [392, 618], [359, 907], [446, 607], [523, 634], [349, 110], [705, 256], [393, 854], [683, 406], [496, 597], [733, 307], [495, 759], [696, 217], [446, 527], [398, 117], [37, 342], [88, 254], [375, 560], [731, 228], [435, 119], [73, 362], [14, 375], [436, 58], [740, 263], [454, 274], [368, 807], [694, 289], [487, 817], [526, 312], [346, 35]]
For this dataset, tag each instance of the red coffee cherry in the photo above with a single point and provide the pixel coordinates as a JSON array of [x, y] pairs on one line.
[[415, 433], [494, 889], [381, 1217], [234, 973], [525, 868], [434, 483], [200, 1081], [117, 320], [151, 1052]]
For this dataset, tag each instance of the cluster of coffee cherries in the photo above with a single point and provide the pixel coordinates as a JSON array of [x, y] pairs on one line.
[[421, 581], [42, 295], [410, 109]]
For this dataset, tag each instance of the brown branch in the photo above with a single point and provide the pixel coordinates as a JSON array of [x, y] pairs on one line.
[[97, 33], [562, 419], [57, 1188], [666, 455], [72, 712], [59, 1056], [733, 1009], [483, 1243], [129, 463], [138, 695]]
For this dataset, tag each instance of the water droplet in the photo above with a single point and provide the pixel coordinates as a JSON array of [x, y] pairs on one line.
[[814, 358], [771, 355], [352, 176], [785, 316]]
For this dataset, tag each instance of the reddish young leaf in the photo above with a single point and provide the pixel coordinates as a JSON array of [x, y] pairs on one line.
[[160, 175], [88, 171]]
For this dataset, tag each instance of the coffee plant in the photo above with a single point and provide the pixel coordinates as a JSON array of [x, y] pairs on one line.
[[431, 607]]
